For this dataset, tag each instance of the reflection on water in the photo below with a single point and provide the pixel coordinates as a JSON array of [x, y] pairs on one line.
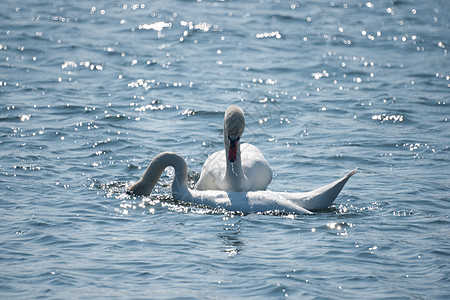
[[231, 235]]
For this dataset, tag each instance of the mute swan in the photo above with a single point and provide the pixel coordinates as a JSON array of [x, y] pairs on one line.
[[257, 201], [238, 167]]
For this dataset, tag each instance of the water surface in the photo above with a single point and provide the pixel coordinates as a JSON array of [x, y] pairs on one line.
[[90, 93]]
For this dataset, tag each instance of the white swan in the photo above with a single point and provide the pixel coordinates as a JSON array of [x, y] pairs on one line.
[[238, 167], [257, 201]]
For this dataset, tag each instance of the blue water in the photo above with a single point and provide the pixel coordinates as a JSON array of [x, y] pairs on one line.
[[91, 91]]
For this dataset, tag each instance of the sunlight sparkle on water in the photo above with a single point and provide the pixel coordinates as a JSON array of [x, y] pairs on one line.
[[268, 35], [158, 26], [385, 118]]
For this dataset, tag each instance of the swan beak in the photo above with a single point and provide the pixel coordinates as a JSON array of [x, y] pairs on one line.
[[232, 150], [232, 153]]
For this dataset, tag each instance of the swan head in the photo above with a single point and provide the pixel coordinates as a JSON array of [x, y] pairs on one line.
[[233, 127]]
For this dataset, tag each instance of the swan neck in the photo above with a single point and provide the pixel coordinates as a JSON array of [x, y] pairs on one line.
[[154, 170], [234, 173], [237, 163]]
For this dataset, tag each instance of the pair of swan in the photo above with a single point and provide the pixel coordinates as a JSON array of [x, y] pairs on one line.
[[235, 178]]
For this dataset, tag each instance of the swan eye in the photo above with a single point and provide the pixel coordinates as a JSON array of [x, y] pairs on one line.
[[234, 140]]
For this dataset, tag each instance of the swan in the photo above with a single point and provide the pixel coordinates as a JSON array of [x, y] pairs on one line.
[[238, 167], [246, 202]]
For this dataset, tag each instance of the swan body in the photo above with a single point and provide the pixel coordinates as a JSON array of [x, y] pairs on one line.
[[238, 167], [246, 202]]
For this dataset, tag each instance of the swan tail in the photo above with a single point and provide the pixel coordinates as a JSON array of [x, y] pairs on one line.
[[320, 198], [323, 197]]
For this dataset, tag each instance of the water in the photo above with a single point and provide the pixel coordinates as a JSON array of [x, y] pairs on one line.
[[90, 93]]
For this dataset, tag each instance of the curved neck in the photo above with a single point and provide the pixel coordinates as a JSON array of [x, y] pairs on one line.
[[147, 182]]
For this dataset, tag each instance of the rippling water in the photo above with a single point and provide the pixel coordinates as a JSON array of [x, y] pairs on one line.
[[90, 93]]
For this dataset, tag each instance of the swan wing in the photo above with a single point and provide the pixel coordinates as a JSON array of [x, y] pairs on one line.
[[256, 170], [264, 201], [255, 167], [246, 202], [212, 172]]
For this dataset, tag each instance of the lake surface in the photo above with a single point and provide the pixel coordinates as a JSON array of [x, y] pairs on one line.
[[91, 91]]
